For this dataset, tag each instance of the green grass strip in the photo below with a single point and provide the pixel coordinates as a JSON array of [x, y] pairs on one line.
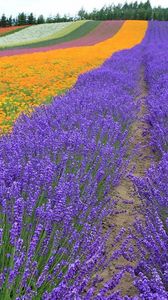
[[62, 32], [73, 35]]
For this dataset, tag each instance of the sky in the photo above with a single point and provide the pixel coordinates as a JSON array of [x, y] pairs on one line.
[[52, 7]]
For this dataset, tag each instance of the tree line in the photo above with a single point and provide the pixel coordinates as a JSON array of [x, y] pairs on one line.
[[24, 19], [132, 11]]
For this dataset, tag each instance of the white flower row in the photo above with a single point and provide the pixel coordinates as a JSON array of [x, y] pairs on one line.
[[32, 33]]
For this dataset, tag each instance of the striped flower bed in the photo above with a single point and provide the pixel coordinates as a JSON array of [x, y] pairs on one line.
[[32, 79], [98, 32], [73, 31], [34, 32]]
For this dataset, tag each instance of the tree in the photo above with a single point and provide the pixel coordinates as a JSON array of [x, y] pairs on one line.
[[148, 14], [135, 5], [22, 19], [40, 19], [3, 21], [31, 19], [82, 14], [49, 19], [147, 5], [10, 21], [64, 18], [57, 18]]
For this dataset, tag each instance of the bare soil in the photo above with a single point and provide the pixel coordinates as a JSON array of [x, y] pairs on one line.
[[127, 213]]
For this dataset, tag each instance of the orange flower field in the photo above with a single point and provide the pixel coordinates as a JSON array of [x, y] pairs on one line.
[[32, 79]]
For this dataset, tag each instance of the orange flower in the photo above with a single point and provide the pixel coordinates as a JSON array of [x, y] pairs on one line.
[[32, 79]]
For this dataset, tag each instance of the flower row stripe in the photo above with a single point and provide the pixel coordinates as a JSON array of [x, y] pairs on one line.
[[32, 79], [98, 32]]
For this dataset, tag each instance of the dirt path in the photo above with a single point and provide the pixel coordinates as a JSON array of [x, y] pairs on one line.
[[127, 212]]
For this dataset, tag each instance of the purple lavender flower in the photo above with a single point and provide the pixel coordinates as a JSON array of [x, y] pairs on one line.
[[57, 169]]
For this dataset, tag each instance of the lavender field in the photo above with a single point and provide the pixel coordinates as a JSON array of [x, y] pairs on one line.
[[84, 185]]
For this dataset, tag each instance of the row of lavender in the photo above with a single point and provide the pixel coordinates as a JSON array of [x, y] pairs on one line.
[[152, 270], [56, 171]]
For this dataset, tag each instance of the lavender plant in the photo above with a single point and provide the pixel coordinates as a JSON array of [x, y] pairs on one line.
[[56, 171], [151, 274]]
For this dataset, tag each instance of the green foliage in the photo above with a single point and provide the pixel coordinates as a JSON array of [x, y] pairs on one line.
[[40, 20], [21, 19], [3, 21], [31, 20], [131, 11]]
